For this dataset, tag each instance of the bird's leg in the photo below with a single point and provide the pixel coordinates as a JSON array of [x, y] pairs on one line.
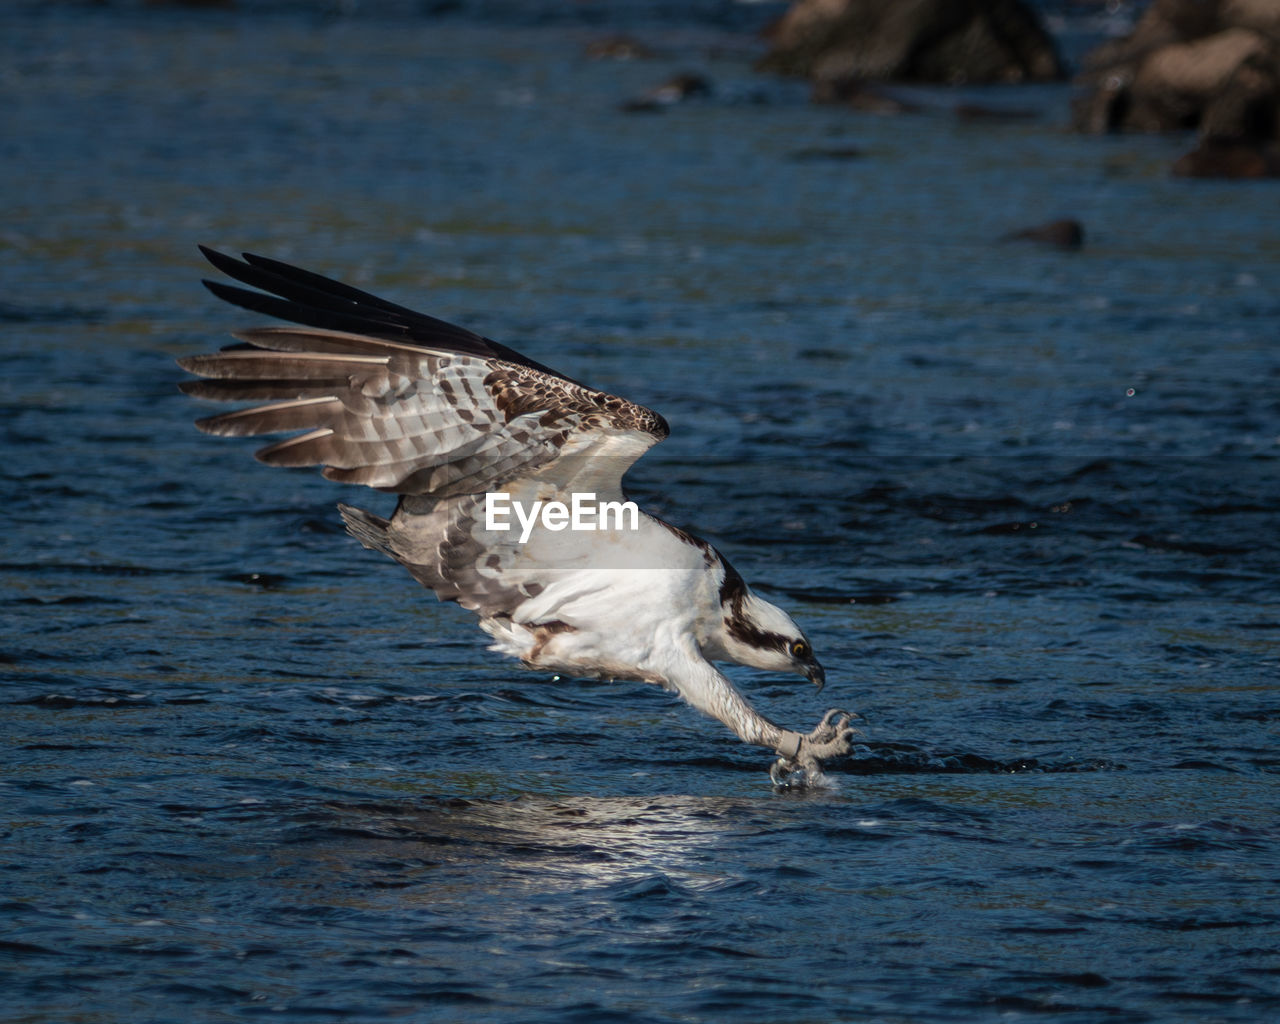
[[832, 737], [710, 692]]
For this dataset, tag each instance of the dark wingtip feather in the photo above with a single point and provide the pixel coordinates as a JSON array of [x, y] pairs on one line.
[[218, 259], [295, 312], [301, 296]]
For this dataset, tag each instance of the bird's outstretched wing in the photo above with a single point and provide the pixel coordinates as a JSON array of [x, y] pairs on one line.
[[381, 395]]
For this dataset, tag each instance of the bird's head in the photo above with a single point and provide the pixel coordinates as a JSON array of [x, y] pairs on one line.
[[762, 635]]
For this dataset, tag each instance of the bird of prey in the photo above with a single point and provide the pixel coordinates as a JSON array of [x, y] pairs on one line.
[[466, 430]]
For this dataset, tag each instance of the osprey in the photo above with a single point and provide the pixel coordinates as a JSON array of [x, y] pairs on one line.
[[462, 428]]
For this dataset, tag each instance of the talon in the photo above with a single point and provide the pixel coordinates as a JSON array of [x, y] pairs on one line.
[[834, 712]]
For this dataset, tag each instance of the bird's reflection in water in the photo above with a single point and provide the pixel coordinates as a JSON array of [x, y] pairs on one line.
[[517, 899], [476, 853]]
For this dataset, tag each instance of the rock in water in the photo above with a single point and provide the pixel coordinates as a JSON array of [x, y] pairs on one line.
[[952, 41], [1208, 65], [1230, 158], [1060, 234]]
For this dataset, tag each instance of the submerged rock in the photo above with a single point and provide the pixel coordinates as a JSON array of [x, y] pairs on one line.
[[952, 41], [618, 47], [863, 96], [983, 112], [1230, 158], [679, 89], [1060, 234], [816, 154]]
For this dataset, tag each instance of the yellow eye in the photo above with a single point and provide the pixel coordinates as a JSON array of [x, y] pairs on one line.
[[800, 650]]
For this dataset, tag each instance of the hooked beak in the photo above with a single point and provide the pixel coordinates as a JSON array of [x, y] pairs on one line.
[[816, 675]]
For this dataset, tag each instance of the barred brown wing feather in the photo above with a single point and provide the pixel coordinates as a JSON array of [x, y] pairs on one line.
[[393, 416]]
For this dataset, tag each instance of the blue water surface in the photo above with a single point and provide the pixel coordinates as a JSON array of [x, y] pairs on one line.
[[1024, 502]]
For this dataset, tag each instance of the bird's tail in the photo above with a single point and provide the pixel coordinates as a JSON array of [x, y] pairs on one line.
[[368, 529]]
